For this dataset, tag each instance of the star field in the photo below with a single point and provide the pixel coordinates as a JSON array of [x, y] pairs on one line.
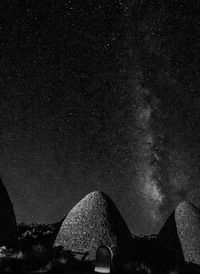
[[99, 95]]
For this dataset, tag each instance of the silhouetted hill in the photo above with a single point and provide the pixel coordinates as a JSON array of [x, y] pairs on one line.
[[8, 225]]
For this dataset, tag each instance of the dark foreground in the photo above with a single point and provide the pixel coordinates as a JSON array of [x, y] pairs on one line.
[[41, 262], [35, 254]]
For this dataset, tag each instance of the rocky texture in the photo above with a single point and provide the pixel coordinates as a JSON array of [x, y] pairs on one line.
[[94, 221], [179, 238], [187, 218], [8, 226]]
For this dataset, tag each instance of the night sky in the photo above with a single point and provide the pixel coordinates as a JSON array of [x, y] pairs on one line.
[[100, 95]]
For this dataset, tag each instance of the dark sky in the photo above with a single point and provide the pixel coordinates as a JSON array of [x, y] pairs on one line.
[[100, 95]]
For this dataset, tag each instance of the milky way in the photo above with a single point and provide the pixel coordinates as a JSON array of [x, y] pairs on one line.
[[101, 95]]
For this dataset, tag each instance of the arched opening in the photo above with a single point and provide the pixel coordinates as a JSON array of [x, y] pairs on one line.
[[104, 257]]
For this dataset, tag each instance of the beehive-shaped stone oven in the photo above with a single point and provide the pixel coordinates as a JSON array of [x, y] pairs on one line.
[[179, 238], [187, 218], [8, 225], [93, 222]]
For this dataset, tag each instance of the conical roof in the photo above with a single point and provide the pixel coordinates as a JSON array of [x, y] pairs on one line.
[[94, 221], [8, 225], [187, 218], [179, 238]]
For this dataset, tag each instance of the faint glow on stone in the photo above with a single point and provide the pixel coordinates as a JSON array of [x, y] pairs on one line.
[[100, 269]]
